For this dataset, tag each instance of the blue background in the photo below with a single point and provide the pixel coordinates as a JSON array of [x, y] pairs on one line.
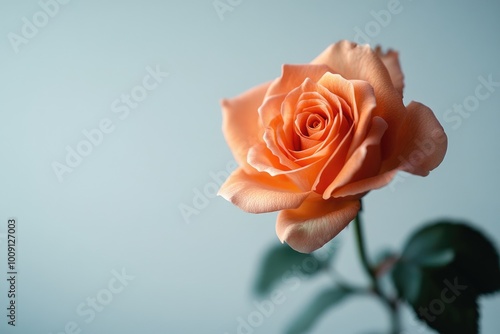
[[120, 208]]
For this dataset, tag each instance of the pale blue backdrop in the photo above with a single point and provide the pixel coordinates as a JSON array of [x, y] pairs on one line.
[[107, 249]]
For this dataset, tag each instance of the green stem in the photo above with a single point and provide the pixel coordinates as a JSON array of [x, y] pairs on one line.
[[362, 251], [392, 305], [395, 320]]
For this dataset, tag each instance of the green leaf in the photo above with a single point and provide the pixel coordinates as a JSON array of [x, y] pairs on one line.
[[473, 254], [408, 281], [282, 263], [316, 308], [442, 271], [437, 259], [440, 297]]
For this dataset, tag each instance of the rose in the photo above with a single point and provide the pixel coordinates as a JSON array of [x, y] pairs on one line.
[[314, 141]]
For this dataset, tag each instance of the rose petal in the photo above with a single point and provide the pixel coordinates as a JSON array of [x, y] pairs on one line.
[[263, 160], [314, 223], [365, 162], [356, 62], [391, 62], [423, 142], [422, 148], [260, 192], [279, 118], [240, 122], [293, 76], [361, 98], [360, 188], [334, 162], [270, 109]]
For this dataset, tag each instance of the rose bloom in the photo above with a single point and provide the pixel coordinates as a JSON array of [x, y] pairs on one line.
[[314, 141]]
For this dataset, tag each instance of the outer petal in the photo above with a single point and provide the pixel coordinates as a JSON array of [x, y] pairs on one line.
[[422, 148], [314, 223], [391, 62], [423, 145], [240, 122], [354, 61], [422, 141], [258, 193]]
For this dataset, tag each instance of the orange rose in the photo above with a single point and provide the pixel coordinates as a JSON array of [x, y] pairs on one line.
[[315, 140]]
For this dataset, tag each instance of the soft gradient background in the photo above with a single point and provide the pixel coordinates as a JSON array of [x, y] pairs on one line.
[[120, 208]]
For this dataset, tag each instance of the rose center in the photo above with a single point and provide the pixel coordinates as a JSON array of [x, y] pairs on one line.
[[314, 124]]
